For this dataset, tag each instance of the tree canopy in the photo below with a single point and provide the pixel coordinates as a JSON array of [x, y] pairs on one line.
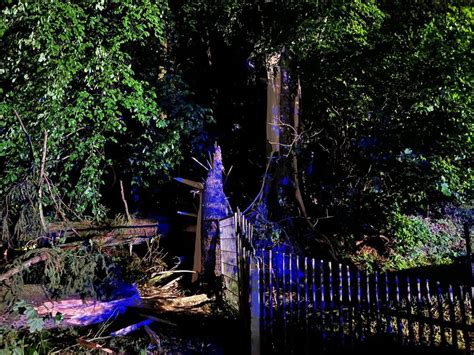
[[125, 89], [98, 78]]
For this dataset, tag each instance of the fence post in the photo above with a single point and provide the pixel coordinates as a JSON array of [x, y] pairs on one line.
[[467, 237], [254, 307]]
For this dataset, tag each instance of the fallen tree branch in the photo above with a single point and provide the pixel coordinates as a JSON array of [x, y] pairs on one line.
[[131, 328], [104, 241], [28, 138], [25, 265], [122, 193], [40, 183]]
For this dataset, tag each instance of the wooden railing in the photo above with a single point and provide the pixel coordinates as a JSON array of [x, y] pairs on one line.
[[295, 304]]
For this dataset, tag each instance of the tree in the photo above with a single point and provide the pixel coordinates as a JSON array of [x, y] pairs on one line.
[[97, 78], [386, 96]]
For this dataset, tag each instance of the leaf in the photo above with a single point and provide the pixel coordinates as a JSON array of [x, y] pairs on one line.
[[35, 324]]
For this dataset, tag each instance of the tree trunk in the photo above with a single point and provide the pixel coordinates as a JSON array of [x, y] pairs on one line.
[[214, 208]]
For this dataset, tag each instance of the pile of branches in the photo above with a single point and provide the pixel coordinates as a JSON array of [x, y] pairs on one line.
[[66, 257]]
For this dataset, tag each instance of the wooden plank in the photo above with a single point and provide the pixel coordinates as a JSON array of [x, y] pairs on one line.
[[306, 309], [298, 289], [359, 323], [350, 315], [290, 286], [314, 286], [189, 214], [388, 304], [323, 302], [411, 331], [197, 266], [464, 319], [452, 318], [284, 268], [430, 313], [398, 305], [229, 269], [442, 324], [379, 326], [270, 287], [306, 292], [263, 277], [341, 310], [419, 307], [255, 316], [194, 184], [330, 299], [367, 304]]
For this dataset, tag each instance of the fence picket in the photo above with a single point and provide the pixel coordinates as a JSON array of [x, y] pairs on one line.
[[341, 306], [464, 320], [314, 287], [411, 333], [367, 304], [290, 298], [331, 299], [270, 287], [430, 314], [255, 302], [359, 320], [298, 289], [419, 307], [398, 305], [290, 286], [388, 305], [350, 306], [378, 316], [306, 307], [441, 313], [306, 295], [323, 303], [284, 301], [263, 277], [452, 318]]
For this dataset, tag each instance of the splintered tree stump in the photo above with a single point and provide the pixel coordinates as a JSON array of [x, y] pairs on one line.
[[214, 208]]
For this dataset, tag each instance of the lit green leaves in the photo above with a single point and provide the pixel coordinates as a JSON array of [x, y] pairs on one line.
[[85, 72]]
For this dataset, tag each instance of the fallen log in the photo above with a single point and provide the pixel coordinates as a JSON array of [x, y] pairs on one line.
[[104, 241], [25, 265], [190, 304], [131, 328]]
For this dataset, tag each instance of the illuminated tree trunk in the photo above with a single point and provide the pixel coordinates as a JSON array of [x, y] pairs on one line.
[[214, 208], [283, 129]]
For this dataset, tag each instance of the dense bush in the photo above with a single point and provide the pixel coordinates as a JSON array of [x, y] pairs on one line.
[[415, 241]]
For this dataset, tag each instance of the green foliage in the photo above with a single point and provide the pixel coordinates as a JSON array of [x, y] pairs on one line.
[[86, 270], [97, 77], [23, 342], [386, 114], [421, 241], [34, 322]]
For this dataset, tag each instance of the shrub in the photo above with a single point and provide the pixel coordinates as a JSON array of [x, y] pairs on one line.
[[419, 241]]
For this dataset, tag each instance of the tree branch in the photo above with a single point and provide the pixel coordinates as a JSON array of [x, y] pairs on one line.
[[28, 138], [40, 183]]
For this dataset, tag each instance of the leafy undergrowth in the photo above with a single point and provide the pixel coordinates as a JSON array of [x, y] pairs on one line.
[[414, 241], [170, 323], [190, 334]]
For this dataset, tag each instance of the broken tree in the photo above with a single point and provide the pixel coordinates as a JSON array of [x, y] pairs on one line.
[[214, 208]]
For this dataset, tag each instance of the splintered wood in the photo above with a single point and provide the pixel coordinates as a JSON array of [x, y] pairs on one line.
[[150, 300], [197, 304]]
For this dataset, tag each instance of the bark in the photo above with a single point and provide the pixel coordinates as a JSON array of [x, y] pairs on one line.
[[296, 125], [214, 208], [23, 266], [110, 239], [273, 104]]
